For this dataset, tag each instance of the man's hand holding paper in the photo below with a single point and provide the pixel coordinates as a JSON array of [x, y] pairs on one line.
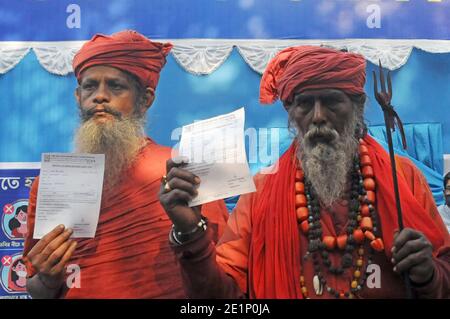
[[212, 165]]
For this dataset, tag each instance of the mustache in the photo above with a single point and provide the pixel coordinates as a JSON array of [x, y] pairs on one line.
[[87, 114], [321, 132]]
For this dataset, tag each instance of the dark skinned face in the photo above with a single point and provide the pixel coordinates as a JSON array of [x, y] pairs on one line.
[[106, 93], [325, 107]]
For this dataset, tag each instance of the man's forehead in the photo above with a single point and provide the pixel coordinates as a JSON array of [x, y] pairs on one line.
[[103, 71], [321, 93]]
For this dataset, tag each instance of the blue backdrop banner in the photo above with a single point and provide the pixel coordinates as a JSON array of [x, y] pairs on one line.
[[62, 20]]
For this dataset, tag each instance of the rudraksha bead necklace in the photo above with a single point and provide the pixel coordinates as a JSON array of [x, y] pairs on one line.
[[362, 226]]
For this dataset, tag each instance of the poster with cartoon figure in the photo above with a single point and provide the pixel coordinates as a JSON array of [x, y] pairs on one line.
[[15, 184], [13, 275], [14, 221]]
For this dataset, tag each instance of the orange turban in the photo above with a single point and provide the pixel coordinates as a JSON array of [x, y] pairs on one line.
[[126, 50], [311, 67]]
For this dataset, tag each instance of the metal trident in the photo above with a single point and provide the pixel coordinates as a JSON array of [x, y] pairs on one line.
[[391, 119]]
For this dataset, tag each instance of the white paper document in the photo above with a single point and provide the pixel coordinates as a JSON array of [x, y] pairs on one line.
[[216, 151], [69, 193]]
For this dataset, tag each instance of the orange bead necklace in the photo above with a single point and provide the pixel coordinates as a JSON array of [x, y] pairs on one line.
[[361, 228]]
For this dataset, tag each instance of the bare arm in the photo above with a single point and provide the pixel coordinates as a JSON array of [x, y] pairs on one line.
[[202, 276]]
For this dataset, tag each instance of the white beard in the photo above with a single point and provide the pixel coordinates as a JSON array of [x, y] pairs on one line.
[[119, 139], [327, 165], [327, 168]]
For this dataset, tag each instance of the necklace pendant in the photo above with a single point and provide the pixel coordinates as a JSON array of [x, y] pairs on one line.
[[318, 287]]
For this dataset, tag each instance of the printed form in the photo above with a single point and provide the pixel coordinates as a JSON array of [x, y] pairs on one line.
[[216, 151], [69, 193]]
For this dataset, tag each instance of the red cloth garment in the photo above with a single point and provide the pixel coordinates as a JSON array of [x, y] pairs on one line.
[[127, 51], [414, 216], [130, 256], [228, 271], [274, 257], [311, 67]]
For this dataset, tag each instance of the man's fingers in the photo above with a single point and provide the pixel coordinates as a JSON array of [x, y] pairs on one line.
[[65, 258], [178, 183], [44, 241], [56, 256], [410, 261], [55, 244], [175, 162], [182, 174], [176, 197], [181, 188], [404, 236], [408, 248]]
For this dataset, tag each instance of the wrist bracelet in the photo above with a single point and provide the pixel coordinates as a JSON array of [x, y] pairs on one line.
[[181, 237]]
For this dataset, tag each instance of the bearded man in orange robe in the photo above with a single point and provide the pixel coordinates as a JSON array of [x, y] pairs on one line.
[[323, 224], [129, 257]]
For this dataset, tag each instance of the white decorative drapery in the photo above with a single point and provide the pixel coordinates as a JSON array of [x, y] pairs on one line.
[[9, 57], [204, 56]]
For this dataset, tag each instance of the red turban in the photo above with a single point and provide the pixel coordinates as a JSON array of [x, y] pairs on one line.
[[311, 67], [126, 50]]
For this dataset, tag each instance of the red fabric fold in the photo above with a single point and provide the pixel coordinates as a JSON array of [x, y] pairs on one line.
[[414, 215], [312, 67], [127, 51], [274, 258]]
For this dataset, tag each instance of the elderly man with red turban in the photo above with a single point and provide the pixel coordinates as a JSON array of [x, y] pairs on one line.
[[129, 257], [323, 223]]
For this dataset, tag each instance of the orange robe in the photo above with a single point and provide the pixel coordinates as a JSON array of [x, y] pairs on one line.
[[232, 272], [130, 255]]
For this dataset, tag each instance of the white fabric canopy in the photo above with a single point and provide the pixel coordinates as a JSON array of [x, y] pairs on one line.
[[204, 56]]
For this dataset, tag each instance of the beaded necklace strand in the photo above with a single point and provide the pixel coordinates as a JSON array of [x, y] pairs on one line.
[[361, 228]]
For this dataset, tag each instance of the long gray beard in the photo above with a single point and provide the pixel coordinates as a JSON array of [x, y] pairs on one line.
[[119, 139], [327, 165]]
